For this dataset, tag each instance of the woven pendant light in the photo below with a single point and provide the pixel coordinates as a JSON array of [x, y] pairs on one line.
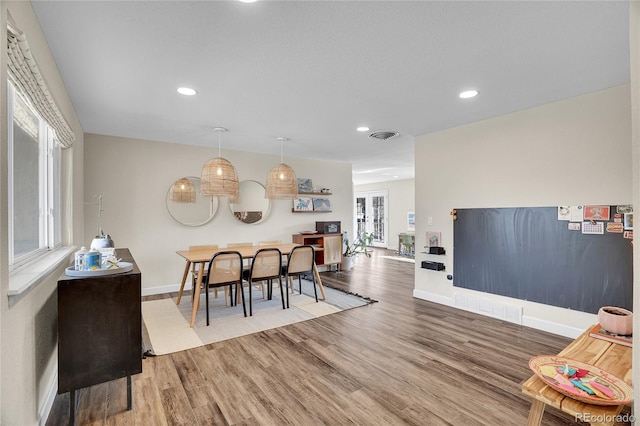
[[183, 191], [282, 183], [219, 177]]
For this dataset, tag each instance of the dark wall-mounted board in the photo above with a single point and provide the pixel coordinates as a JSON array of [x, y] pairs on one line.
[[527, 253]]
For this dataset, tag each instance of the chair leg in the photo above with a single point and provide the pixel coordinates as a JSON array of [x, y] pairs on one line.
[[239, 287], [250, 299], [206, 297], [286, 283], [282, 294], [315, 290]]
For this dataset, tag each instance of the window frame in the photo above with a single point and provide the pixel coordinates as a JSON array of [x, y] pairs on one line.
[[49, 186]]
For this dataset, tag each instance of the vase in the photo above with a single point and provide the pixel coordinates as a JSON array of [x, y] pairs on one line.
[[347, 263], [616, 320]]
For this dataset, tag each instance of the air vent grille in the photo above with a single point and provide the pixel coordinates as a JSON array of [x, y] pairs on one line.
[[383, 136]]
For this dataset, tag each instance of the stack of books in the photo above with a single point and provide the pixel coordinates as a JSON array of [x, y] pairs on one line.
[[600, 333]]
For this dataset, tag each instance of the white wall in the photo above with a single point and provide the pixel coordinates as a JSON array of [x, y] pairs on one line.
[[575, 151], [401, 201], [634, 61], [134, 176], [28, 364]]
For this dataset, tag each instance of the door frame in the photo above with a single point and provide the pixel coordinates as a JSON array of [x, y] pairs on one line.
[[368, 195]]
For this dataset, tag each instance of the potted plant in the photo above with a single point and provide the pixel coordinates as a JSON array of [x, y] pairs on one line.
[[359, 245]]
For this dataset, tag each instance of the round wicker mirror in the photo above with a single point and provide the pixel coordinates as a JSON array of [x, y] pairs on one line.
[[187, 206], [251, 205]]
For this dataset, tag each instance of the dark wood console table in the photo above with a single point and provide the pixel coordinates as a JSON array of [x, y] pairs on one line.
[[99, 330]]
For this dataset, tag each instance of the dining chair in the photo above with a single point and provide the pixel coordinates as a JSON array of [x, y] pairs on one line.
[[225, 270], [299, 263], [266, 266], [245, 264], [269, 243], [195, 267]]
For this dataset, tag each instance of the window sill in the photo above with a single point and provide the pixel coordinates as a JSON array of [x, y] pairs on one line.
[[26, 278]]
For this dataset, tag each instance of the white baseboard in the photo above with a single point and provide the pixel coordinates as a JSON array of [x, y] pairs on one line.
[[148, 291], [47, 404], [527, 321]]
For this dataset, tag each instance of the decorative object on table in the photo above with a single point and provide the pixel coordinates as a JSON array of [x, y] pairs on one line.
[[583, 382], [219, 177], [282, 183], [600, 333], [321, 204], [305, 185], [616, 320], [303, 204], [101, 240], [118, 268], [182, 191], [328, 227]]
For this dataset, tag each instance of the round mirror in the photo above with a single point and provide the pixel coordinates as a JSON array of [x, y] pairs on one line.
[[252, 206], [187, 206]]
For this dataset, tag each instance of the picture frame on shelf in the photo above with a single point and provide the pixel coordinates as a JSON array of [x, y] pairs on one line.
[[321, 204], [305, 185], [303, 204]]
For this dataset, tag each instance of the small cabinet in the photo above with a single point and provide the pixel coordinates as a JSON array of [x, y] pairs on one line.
[[99, 330], [328, 247]]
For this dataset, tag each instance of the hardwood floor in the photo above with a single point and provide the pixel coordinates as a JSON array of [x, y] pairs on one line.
[[398, 361]]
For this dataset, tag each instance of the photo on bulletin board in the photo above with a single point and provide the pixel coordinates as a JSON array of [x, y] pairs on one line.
[[628, 221], [597, 212], [411, 221]]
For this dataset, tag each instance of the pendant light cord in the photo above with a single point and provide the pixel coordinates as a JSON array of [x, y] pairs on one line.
[[219, 155]]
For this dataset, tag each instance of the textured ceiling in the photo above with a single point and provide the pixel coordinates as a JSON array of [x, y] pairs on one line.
[[313, 71]]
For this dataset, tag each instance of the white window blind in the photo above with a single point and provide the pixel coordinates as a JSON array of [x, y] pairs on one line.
[[24, 74]]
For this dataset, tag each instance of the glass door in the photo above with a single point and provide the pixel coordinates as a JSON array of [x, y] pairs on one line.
[[371, 215]]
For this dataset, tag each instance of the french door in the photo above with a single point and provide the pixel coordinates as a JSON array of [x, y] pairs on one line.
[[371, 215]]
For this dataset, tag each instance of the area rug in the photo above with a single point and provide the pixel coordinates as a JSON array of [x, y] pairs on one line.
[[167, 324], [400, 258]]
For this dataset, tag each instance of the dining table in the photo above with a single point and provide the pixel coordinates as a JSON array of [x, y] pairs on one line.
[[202, 256]]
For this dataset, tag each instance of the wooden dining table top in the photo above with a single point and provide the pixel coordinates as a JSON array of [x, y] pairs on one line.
[[204, 255]]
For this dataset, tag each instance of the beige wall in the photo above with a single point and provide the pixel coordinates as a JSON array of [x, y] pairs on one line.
[[134, 176], [28, 364], [575, 151], [401, 201]]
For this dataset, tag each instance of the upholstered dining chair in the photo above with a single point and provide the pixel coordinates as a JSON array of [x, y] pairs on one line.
[[299, 263], [245, 264], [225, 270], [195, 266], [269, 243], [265, 266]]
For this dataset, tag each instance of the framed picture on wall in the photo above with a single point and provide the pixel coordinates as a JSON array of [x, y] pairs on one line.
[[411, 221], [303, 204], [321, 204], [305, 185], [628, 221]]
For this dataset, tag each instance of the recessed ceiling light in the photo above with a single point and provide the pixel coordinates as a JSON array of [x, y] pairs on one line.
[[186, 91], [363, 129], [248, 1], [468, 94]]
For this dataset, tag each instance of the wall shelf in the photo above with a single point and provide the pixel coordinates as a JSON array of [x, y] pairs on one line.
[[313, 193], [310, 211]]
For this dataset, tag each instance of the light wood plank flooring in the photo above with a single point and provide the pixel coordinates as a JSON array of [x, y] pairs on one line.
[[398, 361]]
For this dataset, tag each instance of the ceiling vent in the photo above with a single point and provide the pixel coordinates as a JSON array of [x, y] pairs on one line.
[[383, 136]]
